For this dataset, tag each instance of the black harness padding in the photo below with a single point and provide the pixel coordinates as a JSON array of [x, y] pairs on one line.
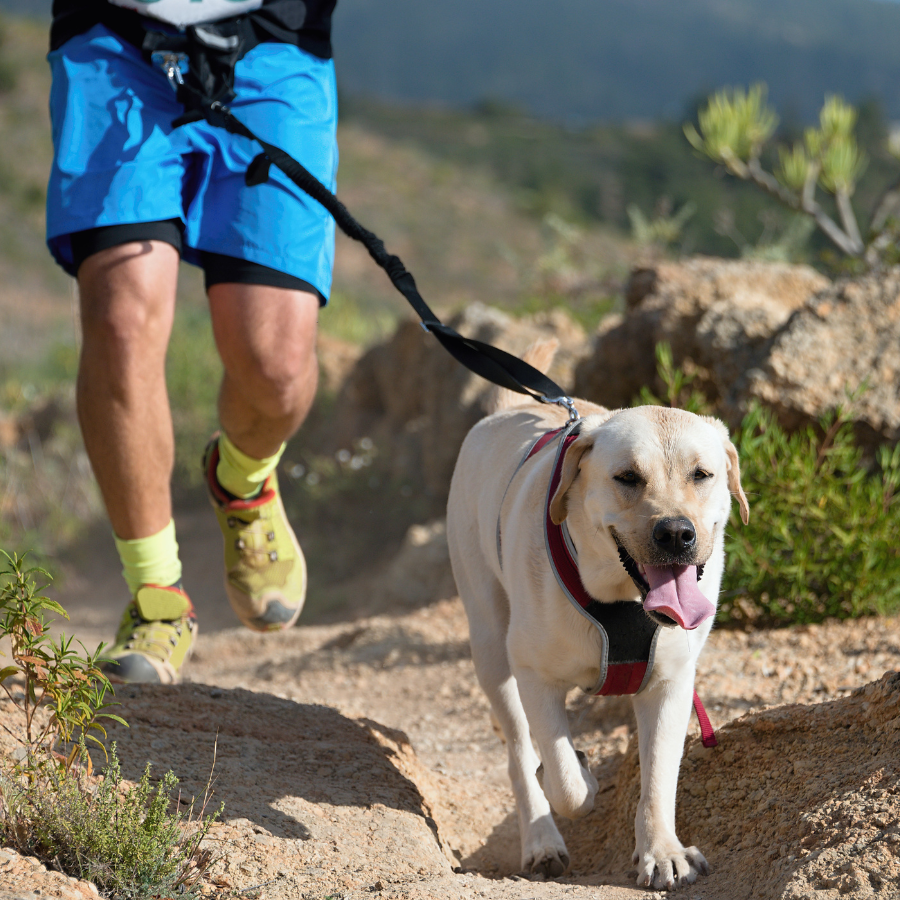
[[630, 629]]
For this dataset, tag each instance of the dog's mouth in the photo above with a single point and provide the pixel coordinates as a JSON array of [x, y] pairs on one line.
[[670, 594]]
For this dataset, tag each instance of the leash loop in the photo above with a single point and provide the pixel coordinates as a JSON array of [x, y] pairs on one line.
[[173, 64]]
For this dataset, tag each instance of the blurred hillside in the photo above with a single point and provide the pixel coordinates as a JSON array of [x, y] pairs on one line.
[[590, 60], [585, 176]]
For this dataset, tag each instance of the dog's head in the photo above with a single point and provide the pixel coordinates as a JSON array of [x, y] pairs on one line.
[[659, 483]]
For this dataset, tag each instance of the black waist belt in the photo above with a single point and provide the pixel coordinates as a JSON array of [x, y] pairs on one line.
[[304, 24]]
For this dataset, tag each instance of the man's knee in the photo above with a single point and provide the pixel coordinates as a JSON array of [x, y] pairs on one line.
[[128, 298], [267, 340], [280, 383]]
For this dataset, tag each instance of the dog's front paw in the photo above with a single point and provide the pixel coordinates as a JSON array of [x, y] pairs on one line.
[[669, 866], [544, 851], [570, 795]]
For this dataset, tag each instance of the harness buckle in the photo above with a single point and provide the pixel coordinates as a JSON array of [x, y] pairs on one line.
[[174, 64]]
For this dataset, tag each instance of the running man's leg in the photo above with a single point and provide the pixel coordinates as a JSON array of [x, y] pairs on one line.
[[127, 296], [266, 337]]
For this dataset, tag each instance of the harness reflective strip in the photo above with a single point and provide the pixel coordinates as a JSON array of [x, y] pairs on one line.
[[539, 444]]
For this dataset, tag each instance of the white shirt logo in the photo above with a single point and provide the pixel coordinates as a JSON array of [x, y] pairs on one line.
[[189, 12]]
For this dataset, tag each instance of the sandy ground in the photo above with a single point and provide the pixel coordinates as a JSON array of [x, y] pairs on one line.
[[375, 682]]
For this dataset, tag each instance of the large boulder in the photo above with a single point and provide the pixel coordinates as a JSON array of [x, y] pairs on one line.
[[773, 332], [717, 315], [844, 342]]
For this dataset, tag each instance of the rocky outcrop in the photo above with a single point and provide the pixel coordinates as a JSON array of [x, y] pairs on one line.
[[418, 403], [843, 343], [777, 333], [717, 315], [314, 801], [795, 800]]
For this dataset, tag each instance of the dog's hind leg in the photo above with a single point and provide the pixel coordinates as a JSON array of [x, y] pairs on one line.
[[543, 849]]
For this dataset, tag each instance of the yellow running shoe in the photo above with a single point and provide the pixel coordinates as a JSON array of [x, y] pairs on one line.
[[265, 571], [154, 639]]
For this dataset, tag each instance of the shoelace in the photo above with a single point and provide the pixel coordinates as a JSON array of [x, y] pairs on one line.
[[247, 543], [154, 638]]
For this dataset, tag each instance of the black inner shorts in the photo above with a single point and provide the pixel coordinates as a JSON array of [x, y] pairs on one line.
[[217, 269]]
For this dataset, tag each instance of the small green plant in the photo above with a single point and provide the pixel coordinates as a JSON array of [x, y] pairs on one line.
[[821, 541], [51, 804], [68, 689], [678, 386], [122, 837], [735, 128], [664, 229]]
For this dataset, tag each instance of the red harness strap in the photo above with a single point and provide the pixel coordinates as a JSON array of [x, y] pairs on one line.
[[621, 677], [625, 677]]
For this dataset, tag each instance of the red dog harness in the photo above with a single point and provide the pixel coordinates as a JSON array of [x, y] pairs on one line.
[[627, 634]]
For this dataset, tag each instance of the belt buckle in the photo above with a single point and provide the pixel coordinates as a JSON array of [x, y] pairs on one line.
[[174, 64]]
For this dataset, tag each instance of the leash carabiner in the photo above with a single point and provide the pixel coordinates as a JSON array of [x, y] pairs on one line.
[[567, 403]]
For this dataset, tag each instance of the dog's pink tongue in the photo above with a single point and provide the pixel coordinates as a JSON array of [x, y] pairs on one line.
[[674, 593]]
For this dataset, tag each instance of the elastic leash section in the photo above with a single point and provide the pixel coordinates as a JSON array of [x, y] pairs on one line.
[[495, 365]]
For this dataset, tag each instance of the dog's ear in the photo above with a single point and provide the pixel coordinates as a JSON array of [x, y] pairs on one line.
[[734, 468], [734, 481], [558, 503]]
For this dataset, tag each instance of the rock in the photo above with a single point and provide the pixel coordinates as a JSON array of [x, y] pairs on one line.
[[420, 573], [418, 403], [752, 331], [313, 784], [717, 315], [845, 340], [336, 361]]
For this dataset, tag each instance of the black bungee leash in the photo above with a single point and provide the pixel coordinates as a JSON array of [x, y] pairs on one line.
[[483, 359]]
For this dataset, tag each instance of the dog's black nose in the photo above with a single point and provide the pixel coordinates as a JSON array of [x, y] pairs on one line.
[[674, 535]]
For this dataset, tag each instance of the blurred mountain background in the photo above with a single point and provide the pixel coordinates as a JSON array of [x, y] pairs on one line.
[[591, 60]]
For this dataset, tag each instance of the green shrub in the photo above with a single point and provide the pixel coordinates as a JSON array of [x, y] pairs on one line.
[[63, 695], [822, 538], [123, 838], [51, 805]]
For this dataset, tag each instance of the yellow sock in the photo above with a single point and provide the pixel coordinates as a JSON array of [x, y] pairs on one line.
[[240, 474], [150, 560]]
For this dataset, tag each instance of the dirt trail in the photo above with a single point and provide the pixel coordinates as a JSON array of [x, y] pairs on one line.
[[357, 758]]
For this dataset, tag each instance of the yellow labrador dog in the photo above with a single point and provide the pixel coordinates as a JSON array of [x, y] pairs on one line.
[[641, 499]]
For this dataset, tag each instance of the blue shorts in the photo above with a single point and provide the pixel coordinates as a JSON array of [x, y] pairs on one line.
[[118, 160]]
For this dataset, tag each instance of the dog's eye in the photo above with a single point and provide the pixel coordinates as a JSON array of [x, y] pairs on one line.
[[626, 478], [701, 475]]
